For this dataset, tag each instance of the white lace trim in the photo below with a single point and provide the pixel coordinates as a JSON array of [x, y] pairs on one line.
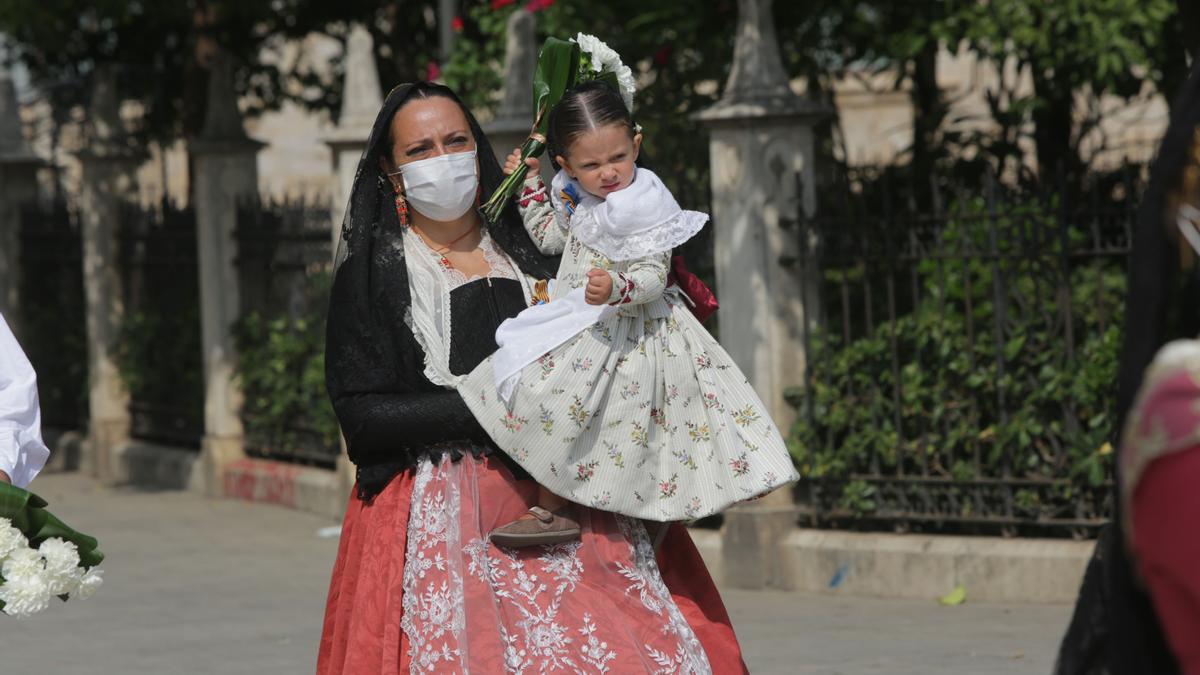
[[676, 231], [434, 616], [689, 656], [639, 221], [429, 313], [498, 265], [537, 636]]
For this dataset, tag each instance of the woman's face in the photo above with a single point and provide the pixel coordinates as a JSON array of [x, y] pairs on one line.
[[425, 128]]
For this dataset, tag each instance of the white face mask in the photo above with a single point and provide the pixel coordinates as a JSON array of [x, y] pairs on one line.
[[442, 188]]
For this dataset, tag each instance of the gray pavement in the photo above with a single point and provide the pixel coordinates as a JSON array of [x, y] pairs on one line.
[[212, 586]]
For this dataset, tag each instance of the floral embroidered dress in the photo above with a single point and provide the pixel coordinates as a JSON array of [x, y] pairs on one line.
[[641, 412]]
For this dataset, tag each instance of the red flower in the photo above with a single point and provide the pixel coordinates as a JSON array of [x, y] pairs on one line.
[[497, 4], [537, 5], [432, 71], [663, 55], [457, 24]]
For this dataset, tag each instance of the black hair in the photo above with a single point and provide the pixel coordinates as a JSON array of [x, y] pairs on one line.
[[422, 91], [591, 105]]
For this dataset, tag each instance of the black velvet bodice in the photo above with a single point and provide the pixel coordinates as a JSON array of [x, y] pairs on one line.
[[477, 309]]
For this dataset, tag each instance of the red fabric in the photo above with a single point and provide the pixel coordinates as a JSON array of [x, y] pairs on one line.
[[362, 633], [704, 302], [692, 587], [1166, 513]]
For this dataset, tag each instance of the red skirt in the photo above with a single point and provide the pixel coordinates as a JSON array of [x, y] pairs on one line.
[[1166, 509], [417, 587]]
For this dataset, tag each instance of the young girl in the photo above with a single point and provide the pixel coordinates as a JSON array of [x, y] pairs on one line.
[[612, 394]]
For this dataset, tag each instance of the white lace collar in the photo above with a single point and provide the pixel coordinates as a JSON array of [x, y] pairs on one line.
[[498, 263], [641, 220], [429, 312]]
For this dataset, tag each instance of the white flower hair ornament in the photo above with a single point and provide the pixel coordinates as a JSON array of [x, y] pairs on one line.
[[598, 58]]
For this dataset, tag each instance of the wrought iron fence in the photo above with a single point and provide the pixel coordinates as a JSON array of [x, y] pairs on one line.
[[53, 312], [160, 353], [284, 265], [962, 359]]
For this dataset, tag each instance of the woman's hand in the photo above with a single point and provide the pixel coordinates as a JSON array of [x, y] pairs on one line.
[[599, 287], [514, 160]]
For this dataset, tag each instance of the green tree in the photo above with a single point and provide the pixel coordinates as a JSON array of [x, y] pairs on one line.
[[162, 48], [1096, 47]]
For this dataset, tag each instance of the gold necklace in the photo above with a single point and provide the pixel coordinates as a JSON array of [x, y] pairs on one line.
[[442, 250]]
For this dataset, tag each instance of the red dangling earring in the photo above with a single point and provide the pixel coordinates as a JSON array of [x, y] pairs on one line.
[[401, 207]]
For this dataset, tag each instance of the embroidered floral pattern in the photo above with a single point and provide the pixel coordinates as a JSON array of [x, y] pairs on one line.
[[550, 609], [638, 397]]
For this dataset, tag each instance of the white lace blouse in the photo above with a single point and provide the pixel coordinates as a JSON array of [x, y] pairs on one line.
[[497, 262], [22, 452]]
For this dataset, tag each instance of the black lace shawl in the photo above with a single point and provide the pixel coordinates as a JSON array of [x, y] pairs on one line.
[[1114, 628], [390, 414]]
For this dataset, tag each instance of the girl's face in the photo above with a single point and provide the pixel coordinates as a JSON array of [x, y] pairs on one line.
[[602, 159]]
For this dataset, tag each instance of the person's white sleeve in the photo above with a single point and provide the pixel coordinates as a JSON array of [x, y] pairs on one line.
[[22, 452]]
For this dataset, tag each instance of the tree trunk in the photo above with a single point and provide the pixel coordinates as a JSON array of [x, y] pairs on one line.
[[929, 111], [1189, 20], [1053, 132]]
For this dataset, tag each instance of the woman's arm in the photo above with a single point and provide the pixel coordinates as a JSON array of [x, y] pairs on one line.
[[385, 425], [373, 370], [642, 281], [538, 215]]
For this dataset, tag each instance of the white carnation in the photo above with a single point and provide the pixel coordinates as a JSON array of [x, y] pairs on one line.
[[606, 59], [88, 582], [628, 85], [11, 538], [25, 594], [62, 565], [23, 562]]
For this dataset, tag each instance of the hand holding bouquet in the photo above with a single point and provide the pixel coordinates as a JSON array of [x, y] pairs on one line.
[[40, 556], [561, 65]]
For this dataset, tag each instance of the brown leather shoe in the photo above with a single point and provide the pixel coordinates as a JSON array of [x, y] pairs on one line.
[[542, 528]]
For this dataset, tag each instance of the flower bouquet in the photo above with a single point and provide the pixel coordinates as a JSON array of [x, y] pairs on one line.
[[562, 64], [40, 556]]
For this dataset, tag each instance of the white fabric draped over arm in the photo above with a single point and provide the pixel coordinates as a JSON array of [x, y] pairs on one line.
[[22, 452]]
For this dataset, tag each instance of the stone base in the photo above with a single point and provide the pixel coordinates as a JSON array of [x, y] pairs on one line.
[[66, 450], [216, 454], [304, 488], [750, 542], [157, 466], [915, 566], [104, 437]]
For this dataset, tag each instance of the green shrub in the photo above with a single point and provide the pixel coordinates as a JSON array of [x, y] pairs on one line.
[[281, 365], [943, 417]]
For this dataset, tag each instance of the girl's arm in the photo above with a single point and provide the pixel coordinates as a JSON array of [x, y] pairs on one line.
[[538, 215], [642, 281]]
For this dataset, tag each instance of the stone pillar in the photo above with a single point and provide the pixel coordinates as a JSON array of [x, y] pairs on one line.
[[109, 164], [514, 117], [761, 141], [361, 101], [225, 171], [18, 186]]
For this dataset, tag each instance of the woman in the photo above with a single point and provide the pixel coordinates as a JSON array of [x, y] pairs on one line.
[[420, 287], [1139, 607]]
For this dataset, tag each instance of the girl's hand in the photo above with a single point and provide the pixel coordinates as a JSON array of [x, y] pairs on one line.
[[599, 287], [514, 160]]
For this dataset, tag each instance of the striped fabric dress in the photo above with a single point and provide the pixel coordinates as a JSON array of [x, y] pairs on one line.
[[643, 413]]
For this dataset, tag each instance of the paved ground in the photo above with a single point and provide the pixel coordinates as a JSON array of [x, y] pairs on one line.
[[202, 586]]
